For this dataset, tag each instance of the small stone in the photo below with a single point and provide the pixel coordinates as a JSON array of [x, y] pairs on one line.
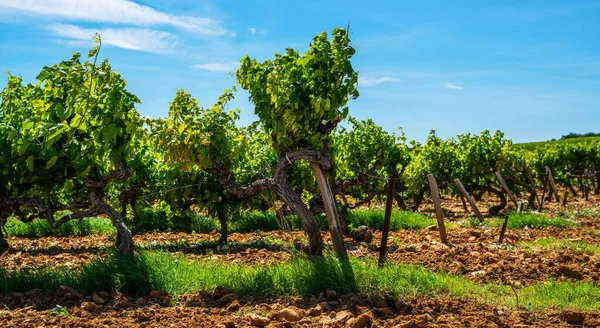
[[288, 315], [220, 292], [572, 317], [358, 322], [406, 324], [89, 306], [155, 294], [314, 312], [478, 273], [422, 321], [330, 295], [258, 320], [363, 234], [228, 298], [33, 292], [64, 290], [378, 301], [571, 273], [342, 316], [234, 306], [97, 299], [224, 248]]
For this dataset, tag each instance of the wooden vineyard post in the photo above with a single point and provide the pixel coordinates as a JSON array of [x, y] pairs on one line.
[[532, 183], [512, 198], [544, 192], [564, 199], [389, 203], [438, 208], [587, 184], [464, 203], [552, 183], [332, 216], [503, 230], [466, 195], [506, 189]]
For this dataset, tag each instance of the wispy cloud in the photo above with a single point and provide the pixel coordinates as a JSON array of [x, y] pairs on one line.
[[128, 38], [113, 11], [220, 67], [447, 85], [252, 30], [371, 81]]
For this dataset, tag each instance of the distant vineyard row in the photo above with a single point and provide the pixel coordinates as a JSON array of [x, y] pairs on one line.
[[72, 145]]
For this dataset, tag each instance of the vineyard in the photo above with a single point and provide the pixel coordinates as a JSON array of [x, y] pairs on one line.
[[307, 217]]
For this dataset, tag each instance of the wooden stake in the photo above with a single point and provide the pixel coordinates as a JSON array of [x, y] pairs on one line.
[[503, 231], [438, 207], [544, 192], [587, 184], [464, 203], [332, 216], [466, 195], [506, 189], [389, 203], [564, 199], [533, 186], [552, 183]]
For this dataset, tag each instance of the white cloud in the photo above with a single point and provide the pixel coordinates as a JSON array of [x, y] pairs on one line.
[[371, 81], [221, 67], [113, 11], [252, 30], [128, 38], [451, 86]]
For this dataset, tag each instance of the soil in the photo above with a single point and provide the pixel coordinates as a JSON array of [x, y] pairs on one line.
[[224, 309]]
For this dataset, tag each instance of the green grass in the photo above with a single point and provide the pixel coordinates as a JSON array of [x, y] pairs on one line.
[[36, 227], [301, 276], [563, 244], [373, 218], [533, 220]]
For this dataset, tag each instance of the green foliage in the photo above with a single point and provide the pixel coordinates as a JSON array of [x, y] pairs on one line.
[[573, 157], [77, 123], [59, 311], [153, 220], [299, 99], [192, 135], [367, 154], [471, 158]]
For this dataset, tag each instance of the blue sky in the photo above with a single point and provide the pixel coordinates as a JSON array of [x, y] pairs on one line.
[[528, 68]]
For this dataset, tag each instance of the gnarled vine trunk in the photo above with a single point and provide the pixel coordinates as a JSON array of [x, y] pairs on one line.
[[222, 216], [310, 226], [124, 240], [493, 210]]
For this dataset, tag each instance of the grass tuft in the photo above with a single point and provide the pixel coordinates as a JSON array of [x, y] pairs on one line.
[[37, 227], [373, 218], [563, 244], [533, 220], [302, 276]]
